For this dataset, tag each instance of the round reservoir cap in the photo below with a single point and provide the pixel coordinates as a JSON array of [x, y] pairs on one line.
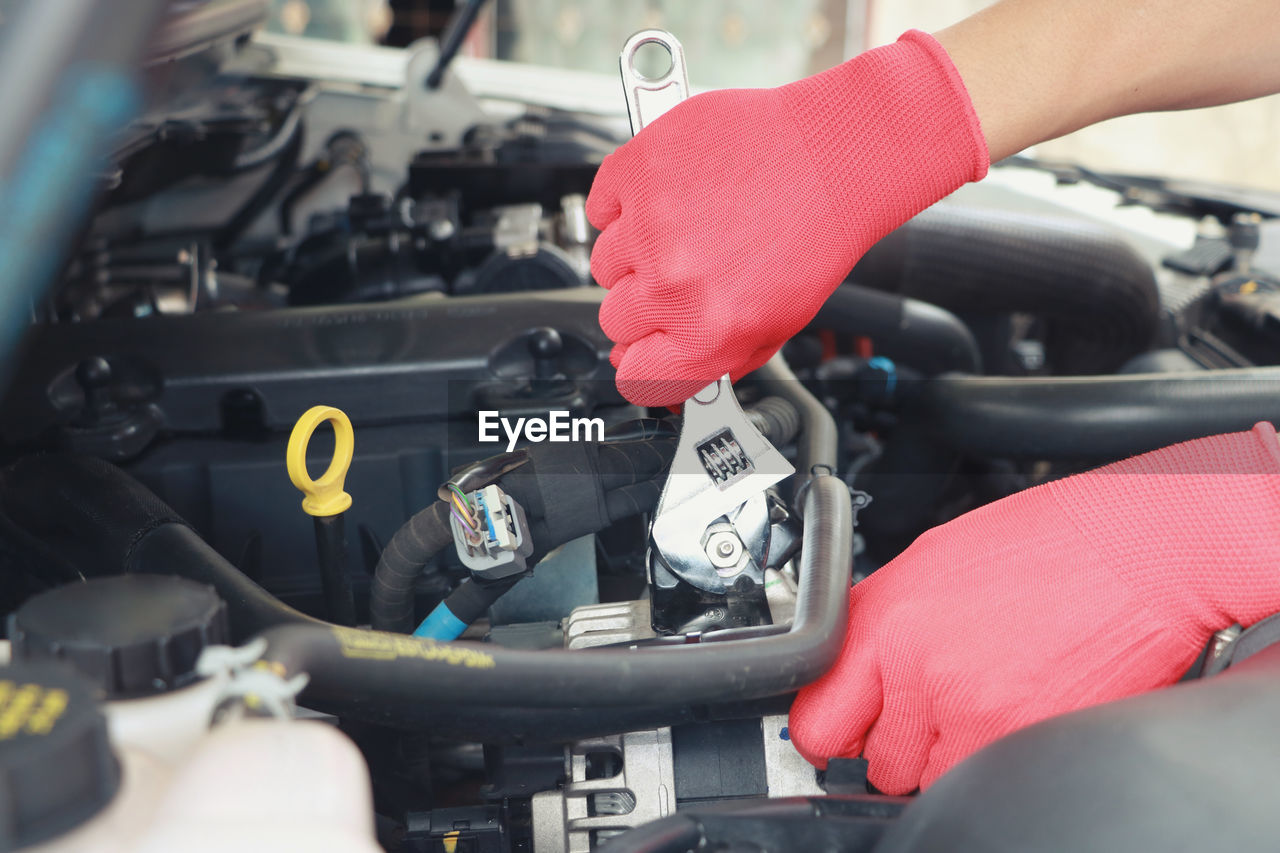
[[132, 635], [56, 765]]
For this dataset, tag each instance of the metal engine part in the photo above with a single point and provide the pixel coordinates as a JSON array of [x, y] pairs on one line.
[[607, 624], [590, 809], [593, 806]]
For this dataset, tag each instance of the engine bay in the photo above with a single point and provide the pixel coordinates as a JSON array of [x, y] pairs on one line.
[[269, 238]]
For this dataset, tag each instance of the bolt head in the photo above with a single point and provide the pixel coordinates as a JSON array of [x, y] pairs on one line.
[[724, 549]]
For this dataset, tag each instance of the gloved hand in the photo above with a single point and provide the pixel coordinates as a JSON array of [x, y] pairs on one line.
[[1077, 592], [729, 220]]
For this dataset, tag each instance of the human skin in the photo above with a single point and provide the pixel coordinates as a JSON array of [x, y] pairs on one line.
[[1039, 69]]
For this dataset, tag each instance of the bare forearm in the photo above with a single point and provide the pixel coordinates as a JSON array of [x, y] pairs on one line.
[[1037, 69]]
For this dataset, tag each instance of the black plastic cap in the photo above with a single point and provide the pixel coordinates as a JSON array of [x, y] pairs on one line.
[[133, 635], [56, 765]]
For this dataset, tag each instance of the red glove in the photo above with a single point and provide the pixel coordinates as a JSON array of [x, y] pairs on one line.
[[1067, 595], [729, 220]]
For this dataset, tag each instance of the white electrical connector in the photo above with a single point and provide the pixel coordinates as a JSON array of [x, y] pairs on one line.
[[501, 545]]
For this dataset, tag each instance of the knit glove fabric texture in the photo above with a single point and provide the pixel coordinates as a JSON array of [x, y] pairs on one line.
[[729, 220], [1076, 592]]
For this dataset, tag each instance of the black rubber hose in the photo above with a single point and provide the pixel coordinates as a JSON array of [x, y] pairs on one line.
[[413, 546], [1097, 294], [837, 823], [1129, 765], [81, 514], [818, 446], [926, 337], [1091, 417], [91, 512], [777, 419], [622, 464], [630, 501], [471, 599], [176, 549], [565, 490], [369, 667], [84, 517]]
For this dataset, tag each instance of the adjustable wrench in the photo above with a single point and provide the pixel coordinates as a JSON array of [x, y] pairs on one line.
[[712, 520]]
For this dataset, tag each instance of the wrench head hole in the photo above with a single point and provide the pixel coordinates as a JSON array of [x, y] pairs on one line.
[[651, 60]]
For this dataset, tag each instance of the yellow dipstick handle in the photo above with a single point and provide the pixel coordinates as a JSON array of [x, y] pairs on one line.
[[322, 497]]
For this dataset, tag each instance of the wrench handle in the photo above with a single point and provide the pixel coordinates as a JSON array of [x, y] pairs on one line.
[[650, 97]]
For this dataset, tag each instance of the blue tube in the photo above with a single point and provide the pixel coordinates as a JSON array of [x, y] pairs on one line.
[[50, 186], [890, 370], [441, 624]]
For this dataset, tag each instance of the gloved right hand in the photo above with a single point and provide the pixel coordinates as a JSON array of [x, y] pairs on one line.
[[1076, 592], [729, 220]]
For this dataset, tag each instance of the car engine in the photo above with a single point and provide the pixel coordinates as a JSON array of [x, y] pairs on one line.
[[300, 256]]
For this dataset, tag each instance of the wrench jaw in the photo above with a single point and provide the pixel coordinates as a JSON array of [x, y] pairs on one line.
[[715, 556], [717, 579], [710, 535]]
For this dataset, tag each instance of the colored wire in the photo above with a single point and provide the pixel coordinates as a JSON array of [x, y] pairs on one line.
[[462, 520], [472, 521], [461, 494], [464, 512], [463, 503]]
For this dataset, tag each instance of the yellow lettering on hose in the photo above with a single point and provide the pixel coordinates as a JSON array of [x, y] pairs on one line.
[[30, 707], [376, 645], [42, 720]]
